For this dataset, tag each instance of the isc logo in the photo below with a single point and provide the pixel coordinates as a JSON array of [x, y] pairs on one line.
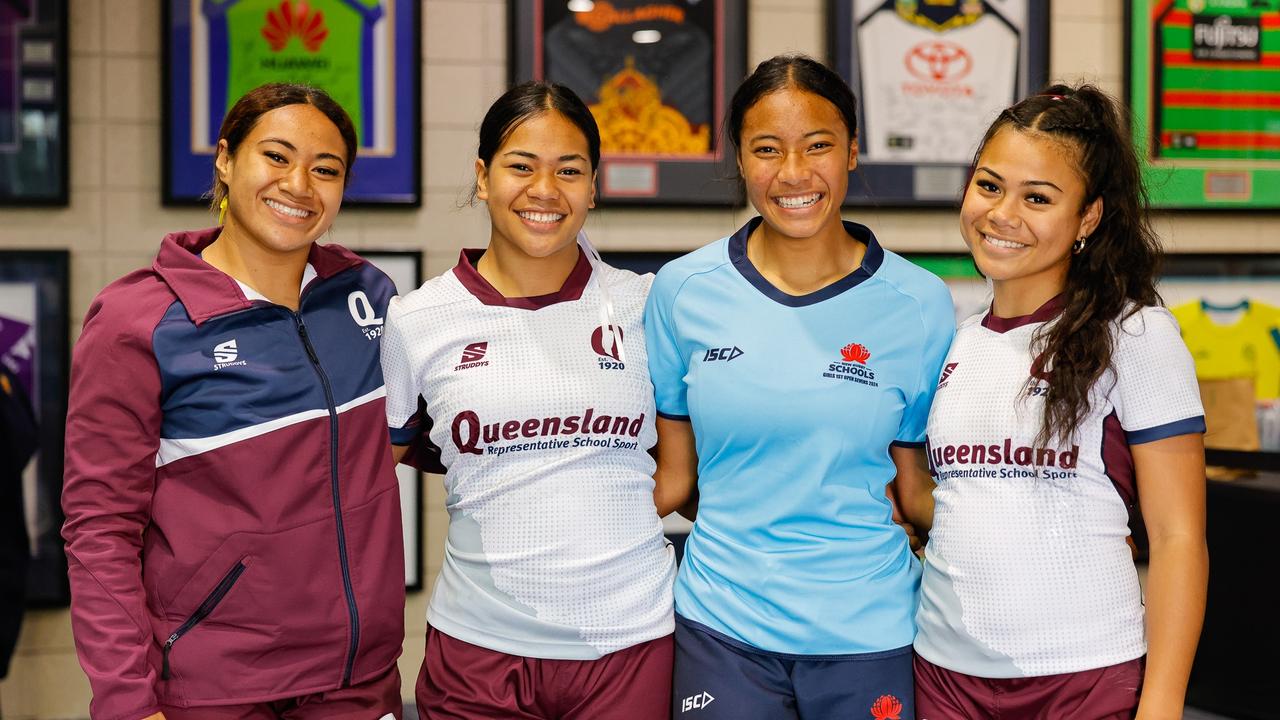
[[701, 700], [726, 354]]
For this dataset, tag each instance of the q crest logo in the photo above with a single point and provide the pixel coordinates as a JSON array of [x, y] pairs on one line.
[[364, 315], [852, 366]]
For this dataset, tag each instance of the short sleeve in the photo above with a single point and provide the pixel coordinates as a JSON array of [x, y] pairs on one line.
[[938, 318], [403, 419], [667, 364], [1155, 395]]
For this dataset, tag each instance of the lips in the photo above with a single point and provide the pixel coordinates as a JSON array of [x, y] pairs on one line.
[[288, 210], [797, 202]]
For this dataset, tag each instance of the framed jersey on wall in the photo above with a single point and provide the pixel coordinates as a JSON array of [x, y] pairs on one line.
[[33, 102], [364, 53], [657, 75], [1203, 81], [929, 78], [35, 352]]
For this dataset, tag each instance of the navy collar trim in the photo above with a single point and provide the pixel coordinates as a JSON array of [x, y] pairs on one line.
[[871, 262], [1046, 312], [487, 294]]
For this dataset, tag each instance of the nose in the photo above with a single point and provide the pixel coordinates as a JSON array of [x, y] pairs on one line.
[[1003, 213], [795, 169], [296, 181], [542, 186]]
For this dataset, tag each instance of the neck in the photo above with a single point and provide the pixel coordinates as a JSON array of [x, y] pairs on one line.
[[277, 276], [515, 274], [1011, 298], [799, 266]]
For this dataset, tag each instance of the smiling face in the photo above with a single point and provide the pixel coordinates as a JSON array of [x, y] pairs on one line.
[[538, 186], [795, 155], [284, 181], [1021, 214]]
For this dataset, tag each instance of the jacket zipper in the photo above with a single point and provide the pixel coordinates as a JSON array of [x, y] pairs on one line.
[[352, 613], [219, 591]]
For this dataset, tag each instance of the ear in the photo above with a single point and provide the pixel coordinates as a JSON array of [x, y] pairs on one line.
[[222, 161], [1091, 216], [592, 203], [853, 152], [482, 180]]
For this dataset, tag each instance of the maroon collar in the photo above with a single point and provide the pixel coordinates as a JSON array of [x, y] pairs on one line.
[[1044, 313], [475, 284], [206, 291]]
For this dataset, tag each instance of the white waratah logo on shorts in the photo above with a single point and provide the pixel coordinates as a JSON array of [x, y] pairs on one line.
[[696, 702], [225, 354]]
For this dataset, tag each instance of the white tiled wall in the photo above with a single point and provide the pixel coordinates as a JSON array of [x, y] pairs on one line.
[[115, 219]]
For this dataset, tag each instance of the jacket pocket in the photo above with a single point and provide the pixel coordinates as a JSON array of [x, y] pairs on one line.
[[206, 607]]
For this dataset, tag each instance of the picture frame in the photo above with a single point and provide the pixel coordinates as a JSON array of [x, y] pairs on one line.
[[1196, 80], [929, 78], [630, 61], [405, 270], [364, 53], [34, 119], [35, 348]]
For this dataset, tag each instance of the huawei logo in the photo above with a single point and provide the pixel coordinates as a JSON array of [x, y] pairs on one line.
[[938, 61], [853, 352], [288, 20]]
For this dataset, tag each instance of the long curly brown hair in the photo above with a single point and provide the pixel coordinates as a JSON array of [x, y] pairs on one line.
[[1116, 273]]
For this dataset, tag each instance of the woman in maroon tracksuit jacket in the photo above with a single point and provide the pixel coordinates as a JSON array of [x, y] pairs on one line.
[[233, 522]]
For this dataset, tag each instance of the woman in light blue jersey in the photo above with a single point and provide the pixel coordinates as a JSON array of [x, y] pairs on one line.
[[794, 363]]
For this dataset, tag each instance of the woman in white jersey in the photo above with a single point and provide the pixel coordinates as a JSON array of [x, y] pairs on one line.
[[525, 368], [1068, 404], [802, 356]]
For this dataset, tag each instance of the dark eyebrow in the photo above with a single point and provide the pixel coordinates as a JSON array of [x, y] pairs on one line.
[[534, 156], [996, 175], [811, 133], [289, 145]]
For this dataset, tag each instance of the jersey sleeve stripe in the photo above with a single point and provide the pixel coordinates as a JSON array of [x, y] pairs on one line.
[[1167, 430], [669, 416], [907, 444]]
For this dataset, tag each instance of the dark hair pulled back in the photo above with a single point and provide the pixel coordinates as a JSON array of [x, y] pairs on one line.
[[791, 71], [251, 106], [529, 100], [1115, 274]]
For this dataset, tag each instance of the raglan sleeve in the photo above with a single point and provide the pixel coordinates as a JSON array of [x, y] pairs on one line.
[[1156, 395], [668, 365], [403, 418], [114, 422], [937, 328]]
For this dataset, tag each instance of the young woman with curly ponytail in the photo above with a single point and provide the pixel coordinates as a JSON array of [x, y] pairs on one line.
[[1069, 404]]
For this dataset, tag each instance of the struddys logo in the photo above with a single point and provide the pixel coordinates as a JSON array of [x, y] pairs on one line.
[[852, 366], [609, 358], [946, 374], [473, 356], [1003, 460], [474, 436]]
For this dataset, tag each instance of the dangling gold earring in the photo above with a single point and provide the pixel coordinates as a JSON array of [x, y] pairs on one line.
[[1076, 248], [222, 211]]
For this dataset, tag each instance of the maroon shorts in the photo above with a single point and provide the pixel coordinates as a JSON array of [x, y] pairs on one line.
[[461, 681], [374, 699], [1109, 693]]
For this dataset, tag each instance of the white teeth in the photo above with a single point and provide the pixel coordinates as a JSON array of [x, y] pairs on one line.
[[542, 217], [292, 212], [1007, 244], [798, 201]]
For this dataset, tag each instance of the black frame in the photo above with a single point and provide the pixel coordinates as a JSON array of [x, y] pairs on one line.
[[48, 271], [702, 180], [893, 185], [411, 480], [410, 145], [58, 155]]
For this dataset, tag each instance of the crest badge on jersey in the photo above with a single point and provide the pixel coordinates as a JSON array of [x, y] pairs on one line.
[[852, 365], [609, 358], [939, 15]]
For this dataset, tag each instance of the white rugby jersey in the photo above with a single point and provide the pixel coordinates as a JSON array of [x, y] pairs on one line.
[[1027, 571], [555, 549]]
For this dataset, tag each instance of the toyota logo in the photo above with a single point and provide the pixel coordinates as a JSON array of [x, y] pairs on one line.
[[938, 61]]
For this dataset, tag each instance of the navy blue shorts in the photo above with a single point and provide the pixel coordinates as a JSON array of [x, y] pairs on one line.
[[717, 677]]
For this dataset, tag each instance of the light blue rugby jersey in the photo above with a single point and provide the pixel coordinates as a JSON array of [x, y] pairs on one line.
[[795, 401]]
